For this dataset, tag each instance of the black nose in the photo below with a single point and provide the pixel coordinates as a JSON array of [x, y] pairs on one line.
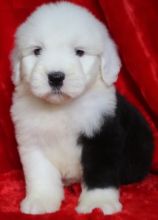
[[55, 79]]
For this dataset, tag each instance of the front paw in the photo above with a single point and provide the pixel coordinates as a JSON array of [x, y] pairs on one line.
[[40, 204], [105, 199]]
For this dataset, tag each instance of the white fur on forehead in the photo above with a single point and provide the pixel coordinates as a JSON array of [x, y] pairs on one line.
[[69, 22], [56, 26]]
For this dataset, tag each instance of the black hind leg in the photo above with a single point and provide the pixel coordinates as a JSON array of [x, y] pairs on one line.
[[137, 154], [138, 143]]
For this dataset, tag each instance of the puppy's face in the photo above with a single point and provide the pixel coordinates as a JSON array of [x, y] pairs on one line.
[[59, 52], [56, 70]]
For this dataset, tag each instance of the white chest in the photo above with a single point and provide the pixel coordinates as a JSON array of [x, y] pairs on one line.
[[55, 130], [59, 144]]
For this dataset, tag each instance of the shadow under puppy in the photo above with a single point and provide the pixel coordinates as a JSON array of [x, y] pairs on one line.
[[70, 122]]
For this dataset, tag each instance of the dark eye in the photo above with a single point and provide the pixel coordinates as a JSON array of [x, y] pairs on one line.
[[79, 53], [37, 51]]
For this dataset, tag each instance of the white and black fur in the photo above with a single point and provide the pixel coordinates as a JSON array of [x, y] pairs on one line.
[[119, 153], [125, 149], [71, 124]]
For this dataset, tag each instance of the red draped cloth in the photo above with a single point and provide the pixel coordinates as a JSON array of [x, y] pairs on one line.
[[133, 25]]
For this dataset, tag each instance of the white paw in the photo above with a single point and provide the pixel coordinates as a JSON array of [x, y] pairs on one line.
[[105, 199], [39, 204]]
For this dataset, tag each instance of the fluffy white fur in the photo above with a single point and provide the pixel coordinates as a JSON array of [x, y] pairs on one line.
[[105, 199], [48, 124]]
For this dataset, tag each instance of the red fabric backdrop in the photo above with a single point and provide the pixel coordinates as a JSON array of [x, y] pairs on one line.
[[134, 26]]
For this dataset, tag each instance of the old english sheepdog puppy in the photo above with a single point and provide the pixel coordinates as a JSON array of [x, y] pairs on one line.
[[71, 124]]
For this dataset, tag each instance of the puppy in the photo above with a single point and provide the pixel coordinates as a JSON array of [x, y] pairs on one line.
[[71, 124]]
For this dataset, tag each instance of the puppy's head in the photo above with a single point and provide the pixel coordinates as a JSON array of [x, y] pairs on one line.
[[60, 50]]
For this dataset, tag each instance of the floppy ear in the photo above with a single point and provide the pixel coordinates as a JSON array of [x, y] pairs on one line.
[[15, 63], [110, 62]]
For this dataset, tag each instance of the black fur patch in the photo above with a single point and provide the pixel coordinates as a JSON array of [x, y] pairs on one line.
[[121, 152]]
